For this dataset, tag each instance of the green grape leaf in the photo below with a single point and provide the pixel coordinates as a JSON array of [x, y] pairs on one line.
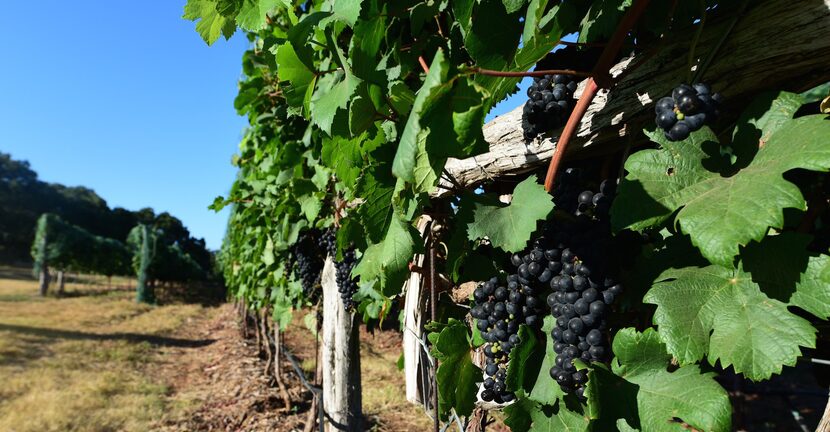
[[345, 11], [361, 114], [493, 35], [720, 213], [509, 227], [388, 261], [512, 6], [376, 188], [445, 121], [762, 118], [297, 80], [252, 13], [610, 398], [413, 141], [457, 375], [557, 418], [209, 23], [785, 270], [524, 361], [370, 302], [545, 389], [722, 313], [326, 102], [517, 414], [811, 292], [602, 19], [662, 396], [344, 155]]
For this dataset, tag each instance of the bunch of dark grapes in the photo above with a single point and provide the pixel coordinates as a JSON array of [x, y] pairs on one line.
[[307, 260], [549, 105], [583, 288], [687, 110], [499, 311], [346, 285]]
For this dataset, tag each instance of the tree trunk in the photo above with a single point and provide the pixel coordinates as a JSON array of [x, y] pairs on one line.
[[44, 279], [61, 280], [341, 359]]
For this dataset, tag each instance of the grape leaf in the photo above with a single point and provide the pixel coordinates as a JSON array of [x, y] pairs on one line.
[[388, 261], [663, 397], [209, 23], [811, 292], [457, 375], [346, 154], [493, 35], [524, 361], [720, 213], [345, 11], [252, 13], [445, 121], [602, 19], [785, 270], [509, 227], [517, 414], [545, 389], [512, 6], [557, 418], [412, 140], [297, 80], [376, 212], [763, 117], [326, 102], [753, 333]]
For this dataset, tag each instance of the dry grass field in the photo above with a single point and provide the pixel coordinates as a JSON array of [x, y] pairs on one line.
[[95, 360]]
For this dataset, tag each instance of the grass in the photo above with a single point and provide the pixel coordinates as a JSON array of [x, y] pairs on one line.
[[83, 362]]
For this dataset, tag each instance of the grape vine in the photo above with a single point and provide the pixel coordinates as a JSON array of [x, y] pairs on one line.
[[364, 102]]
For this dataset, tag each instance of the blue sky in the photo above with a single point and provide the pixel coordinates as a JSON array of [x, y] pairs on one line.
[[126, 99]]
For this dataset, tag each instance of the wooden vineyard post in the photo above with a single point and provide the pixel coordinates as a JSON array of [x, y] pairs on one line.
[[824, 424], [342, 399], [415, 357], [61, 281]]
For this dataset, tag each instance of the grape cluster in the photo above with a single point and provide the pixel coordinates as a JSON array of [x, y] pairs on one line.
[[549, 105], [499, 311], [307, 261], [686, 110], [346, 285], [583, 289]]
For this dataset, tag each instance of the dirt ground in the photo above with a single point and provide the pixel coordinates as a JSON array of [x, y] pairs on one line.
[[94, 360]]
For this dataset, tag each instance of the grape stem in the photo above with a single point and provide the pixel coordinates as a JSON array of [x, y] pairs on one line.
[[600, 77], [423, 64], [535, 73], [570, 128]]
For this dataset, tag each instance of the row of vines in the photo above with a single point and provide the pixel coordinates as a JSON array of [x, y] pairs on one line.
[[69, 248], [691, 242]]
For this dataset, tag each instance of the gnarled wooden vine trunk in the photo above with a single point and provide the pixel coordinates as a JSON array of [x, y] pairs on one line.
[[789, 52]]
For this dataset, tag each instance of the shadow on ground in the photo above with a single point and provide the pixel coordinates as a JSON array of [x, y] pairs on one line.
[[130, 337]]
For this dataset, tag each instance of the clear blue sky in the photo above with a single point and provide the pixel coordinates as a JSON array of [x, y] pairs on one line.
[[127, 101], [123, 98]]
